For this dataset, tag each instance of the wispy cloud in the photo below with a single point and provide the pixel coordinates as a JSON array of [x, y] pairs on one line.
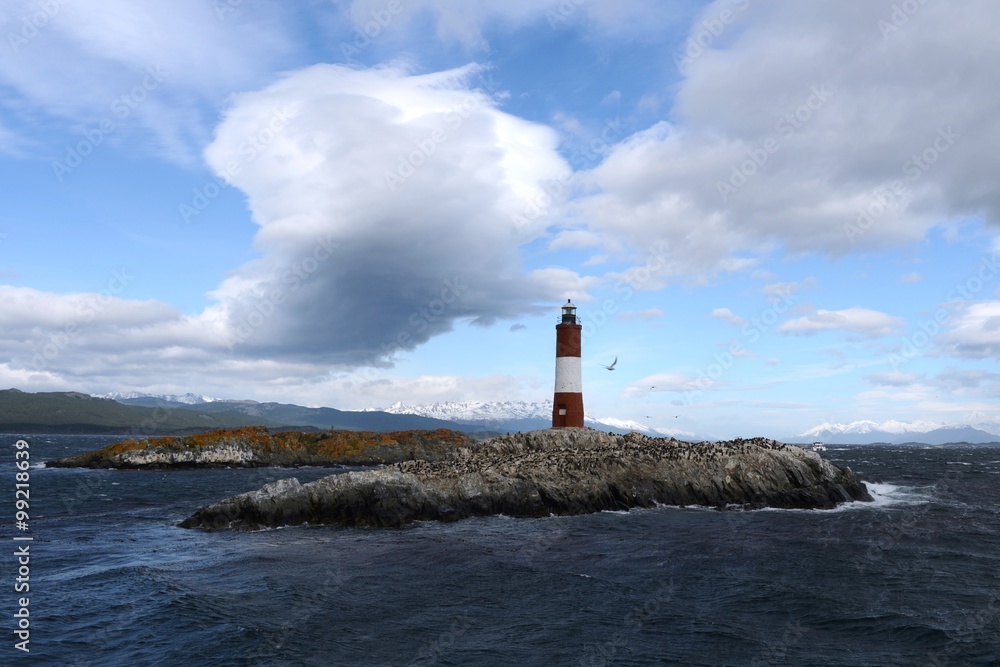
[[862, 321], [728, 315]]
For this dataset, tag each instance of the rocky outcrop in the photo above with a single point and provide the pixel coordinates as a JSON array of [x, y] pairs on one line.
[[564, 471], [256, 447]]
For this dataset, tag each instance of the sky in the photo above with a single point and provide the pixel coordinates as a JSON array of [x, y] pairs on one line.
[[774, 214]]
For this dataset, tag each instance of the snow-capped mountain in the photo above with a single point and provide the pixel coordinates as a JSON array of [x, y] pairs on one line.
[[681, 434], [476, 411], [868, 426], [508, 415], [134, 396], [624, 424], [892, 431]]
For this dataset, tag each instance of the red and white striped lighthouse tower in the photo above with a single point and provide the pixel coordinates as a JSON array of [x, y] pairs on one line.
[[567, 404]]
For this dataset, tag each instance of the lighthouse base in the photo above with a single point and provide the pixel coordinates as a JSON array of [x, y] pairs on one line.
[[567, 410]]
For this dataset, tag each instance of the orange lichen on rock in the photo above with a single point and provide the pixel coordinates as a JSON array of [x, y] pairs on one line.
[[255, 445]]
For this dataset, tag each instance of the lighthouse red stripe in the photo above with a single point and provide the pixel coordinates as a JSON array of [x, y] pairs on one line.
[[568, 340], [567, 410]]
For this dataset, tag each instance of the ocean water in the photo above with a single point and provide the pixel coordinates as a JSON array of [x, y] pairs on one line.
[[911, 579]]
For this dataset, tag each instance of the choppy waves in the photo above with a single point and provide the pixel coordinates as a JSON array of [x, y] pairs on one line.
[[907, 579]]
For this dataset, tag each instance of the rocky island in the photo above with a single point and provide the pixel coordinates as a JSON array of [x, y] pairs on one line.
[[556, 471], [255, 446]]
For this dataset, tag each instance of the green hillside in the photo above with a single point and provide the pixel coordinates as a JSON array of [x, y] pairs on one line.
[[323, 418], [72, 412]]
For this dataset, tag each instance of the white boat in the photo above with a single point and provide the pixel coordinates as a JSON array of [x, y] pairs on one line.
[[818, 447]]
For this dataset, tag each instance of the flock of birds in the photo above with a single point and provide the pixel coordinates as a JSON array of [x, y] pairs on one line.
[[517, 454], [611, 367]]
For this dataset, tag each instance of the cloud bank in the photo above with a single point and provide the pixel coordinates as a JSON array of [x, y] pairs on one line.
[[811, 127]]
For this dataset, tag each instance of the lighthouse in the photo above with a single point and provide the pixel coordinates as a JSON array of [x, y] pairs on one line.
[[567, 403]]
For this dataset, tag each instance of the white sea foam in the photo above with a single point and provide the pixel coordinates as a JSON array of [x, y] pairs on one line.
[[881, 489], [889, 495]]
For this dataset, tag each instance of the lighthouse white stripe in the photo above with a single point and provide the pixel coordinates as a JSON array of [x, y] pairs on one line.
[[568, 375]]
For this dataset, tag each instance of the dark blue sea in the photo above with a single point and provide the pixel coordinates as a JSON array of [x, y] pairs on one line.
[[912, 579]]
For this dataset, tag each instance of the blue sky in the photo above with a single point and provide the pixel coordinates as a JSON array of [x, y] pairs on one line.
[[774, 214]]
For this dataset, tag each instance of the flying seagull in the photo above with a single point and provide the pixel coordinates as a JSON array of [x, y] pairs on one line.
[[612, 366]]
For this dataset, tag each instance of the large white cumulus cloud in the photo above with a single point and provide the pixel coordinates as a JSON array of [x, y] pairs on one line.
[[390, 205]]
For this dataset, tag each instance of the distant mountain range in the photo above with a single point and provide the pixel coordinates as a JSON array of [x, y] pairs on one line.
[[477, 417], [144, 414], [73, 412], [895, 432], [188, 399], [148, 414], [509, 416], [290, 415]]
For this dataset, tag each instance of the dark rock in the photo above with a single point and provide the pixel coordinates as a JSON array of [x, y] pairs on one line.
[[559, 471]]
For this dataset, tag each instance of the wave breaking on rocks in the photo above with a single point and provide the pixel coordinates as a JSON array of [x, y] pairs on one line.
[[541, 473]]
